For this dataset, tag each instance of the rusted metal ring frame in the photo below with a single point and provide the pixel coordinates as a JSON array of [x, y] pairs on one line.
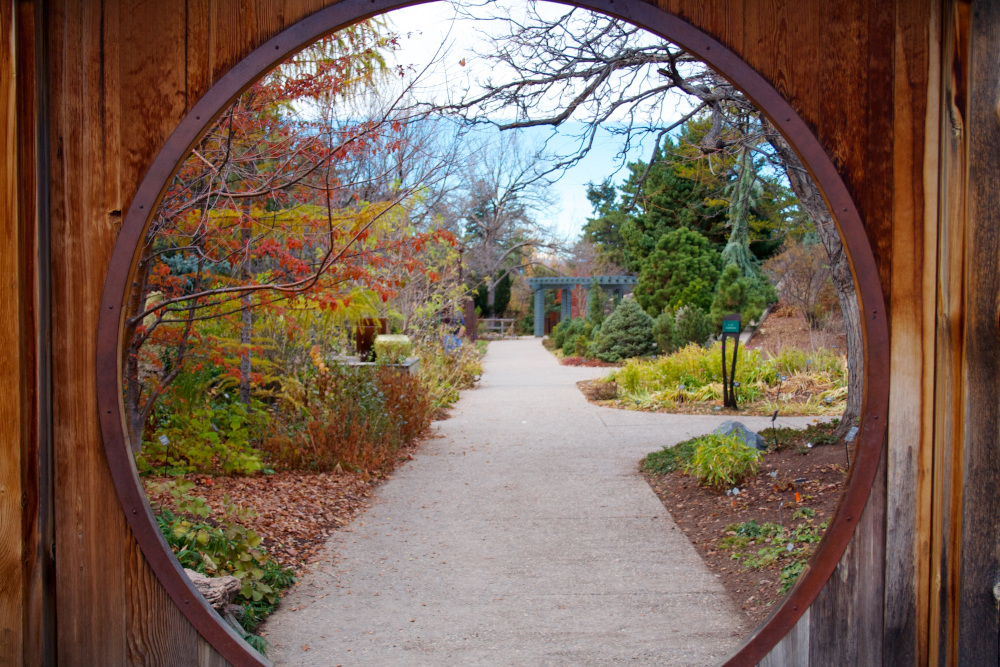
[[875, 330]]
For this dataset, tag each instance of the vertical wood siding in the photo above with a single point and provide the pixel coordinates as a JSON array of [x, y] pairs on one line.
[[865, 77]]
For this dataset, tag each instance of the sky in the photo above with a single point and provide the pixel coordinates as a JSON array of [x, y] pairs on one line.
[[442, 70]]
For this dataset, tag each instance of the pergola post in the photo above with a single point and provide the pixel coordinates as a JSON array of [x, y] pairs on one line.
[[539, 312], [590, 301], [566, 284], [566, 305]]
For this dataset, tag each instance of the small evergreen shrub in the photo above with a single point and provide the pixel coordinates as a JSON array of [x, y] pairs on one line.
[[691, 325], [682, 270], [663, 332], [566, 336], [627, 333], [723, 461], [595, 304], [737, 293]]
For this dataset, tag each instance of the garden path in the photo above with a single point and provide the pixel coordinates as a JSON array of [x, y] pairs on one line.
[[520, 534]]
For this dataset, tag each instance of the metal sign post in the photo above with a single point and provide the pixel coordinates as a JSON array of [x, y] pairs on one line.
[[730, 327]]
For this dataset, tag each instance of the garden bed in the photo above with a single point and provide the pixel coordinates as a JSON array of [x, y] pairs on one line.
[[709, 518], [293, 512]]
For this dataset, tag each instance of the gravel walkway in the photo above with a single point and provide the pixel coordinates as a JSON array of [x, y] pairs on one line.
[[521, 535]]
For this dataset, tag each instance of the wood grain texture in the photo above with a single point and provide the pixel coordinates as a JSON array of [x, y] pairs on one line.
[[123, 74], [38, 644], [12, 588], [846, 619], [158, 633], [911, 421], [978, 615], [90, 529], [208, 656], [949, 396], [793, 649]]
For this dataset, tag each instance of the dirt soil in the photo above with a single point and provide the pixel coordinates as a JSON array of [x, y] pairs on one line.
[[784, 327], [816, 475]]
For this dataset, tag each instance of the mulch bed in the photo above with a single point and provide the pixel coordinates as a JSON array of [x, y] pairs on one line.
[[784, 327], [817, 474], [294, 513]]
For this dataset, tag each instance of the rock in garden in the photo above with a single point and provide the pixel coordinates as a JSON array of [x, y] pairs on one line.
[[749, 438], [219, 591]]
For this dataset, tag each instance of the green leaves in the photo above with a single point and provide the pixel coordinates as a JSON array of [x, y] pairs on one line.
[[682, 271], [722, 461], [212, 438]]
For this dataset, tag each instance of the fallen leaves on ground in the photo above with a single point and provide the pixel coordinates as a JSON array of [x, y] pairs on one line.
[[294, 512]]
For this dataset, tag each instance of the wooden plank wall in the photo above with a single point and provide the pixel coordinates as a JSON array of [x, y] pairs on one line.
[[885, 87]]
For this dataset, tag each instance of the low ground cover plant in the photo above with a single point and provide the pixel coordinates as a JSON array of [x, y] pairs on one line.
[[220, 544], [758, 547], [718, 461], [756, 534]]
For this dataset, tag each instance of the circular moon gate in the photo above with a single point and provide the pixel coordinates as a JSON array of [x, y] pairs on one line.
[[873, 316]]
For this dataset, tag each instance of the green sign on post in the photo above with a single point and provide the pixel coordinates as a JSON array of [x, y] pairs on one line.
[[730, 327]]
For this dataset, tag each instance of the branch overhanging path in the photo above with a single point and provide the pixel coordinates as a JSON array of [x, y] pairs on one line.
[[522, 533]]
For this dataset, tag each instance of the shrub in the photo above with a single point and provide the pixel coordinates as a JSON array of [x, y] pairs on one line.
[[214, 439], [392, 349], [806, 282], [722, 460], [568, 331], [738, 293], [663, 332], [627, 333], [444, 374], [595, 304], [682, 270], [354, 417], [691, 325]]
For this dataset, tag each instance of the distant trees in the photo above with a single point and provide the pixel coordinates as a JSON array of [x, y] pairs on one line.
[[552, 67]]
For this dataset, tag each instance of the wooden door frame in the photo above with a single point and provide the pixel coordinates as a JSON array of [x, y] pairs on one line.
[[871, 437]]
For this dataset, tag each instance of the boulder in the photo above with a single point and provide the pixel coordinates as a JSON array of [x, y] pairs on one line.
[[749, 438]]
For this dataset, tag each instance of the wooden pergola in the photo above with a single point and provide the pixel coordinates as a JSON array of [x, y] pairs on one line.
[[617, 285], [892, 105]]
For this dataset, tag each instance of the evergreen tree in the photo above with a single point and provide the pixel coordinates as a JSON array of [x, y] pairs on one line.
[[738, 293], [627, 333], [683, 270], [595, 304]]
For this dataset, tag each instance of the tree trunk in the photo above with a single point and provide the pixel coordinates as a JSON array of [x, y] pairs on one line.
[[135, 304], [737, 250], [491, 295], [246, 335], [246, 330], [843, 281]]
